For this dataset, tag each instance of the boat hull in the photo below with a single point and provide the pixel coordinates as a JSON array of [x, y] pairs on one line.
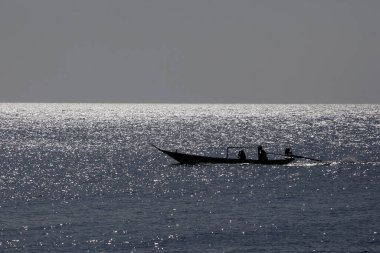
[[195, 159]]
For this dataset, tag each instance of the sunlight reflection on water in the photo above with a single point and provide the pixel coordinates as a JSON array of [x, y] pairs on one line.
[[77, 177]]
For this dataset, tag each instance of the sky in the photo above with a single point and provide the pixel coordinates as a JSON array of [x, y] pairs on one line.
[[198, 51]]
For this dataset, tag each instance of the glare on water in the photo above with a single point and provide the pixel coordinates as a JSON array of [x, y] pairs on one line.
[[83, 177]]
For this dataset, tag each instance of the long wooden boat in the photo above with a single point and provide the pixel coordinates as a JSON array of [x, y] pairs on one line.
[[195, 159]]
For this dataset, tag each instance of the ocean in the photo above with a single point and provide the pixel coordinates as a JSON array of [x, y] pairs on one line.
[[85, 178]]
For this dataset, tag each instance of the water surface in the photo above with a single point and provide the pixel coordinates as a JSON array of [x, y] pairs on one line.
[[83, 177]]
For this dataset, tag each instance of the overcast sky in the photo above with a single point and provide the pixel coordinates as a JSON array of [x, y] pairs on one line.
[[264, 51]]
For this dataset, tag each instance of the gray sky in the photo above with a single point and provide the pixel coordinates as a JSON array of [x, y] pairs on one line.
[[265, 51]]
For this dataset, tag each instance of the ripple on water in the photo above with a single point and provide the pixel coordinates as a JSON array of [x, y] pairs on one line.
[[78, 177]]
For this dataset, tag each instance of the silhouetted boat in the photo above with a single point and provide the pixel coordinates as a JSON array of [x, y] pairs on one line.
[[194, 159]]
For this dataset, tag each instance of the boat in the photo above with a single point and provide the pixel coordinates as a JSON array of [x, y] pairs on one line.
[[191, 159]]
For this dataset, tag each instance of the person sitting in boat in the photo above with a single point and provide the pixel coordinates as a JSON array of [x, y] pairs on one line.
[[288, 152], [262, 154], [242, 155]]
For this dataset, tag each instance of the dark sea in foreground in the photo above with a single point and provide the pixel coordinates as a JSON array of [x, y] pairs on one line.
[[84, 178]]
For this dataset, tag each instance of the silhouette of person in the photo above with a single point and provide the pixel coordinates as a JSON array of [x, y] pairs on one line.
[[242, 155], [262, 154], [288, 152]]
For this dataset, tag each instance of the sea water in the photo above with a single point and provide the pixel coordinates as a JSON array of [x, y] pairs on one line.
[[84, 178]]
